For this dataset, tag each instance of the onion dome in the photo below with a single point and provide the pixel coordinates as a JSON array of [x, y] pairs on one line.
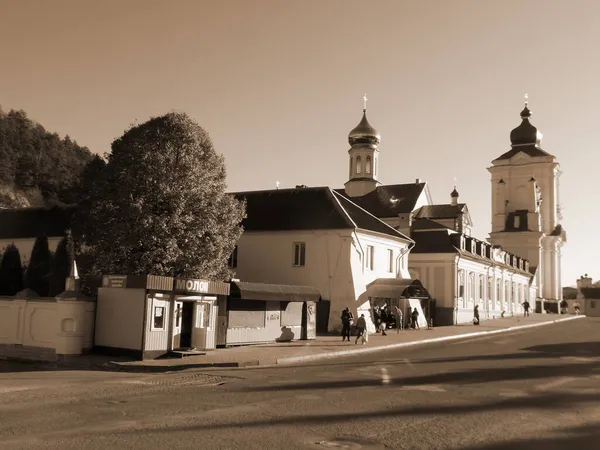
[[364, 133], [454, 193], [525, 134]]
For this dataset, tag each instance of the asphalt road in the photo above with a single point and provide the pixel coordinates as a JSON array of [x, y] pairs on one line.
[[535, 389]]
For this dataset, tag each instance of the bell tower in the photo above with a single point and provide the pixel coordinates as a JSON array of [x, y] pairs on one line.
[[525, 209], [363, 157]]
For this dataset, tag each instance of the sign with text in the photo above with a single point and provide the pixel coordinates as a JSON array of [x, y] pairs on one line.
[[114, 281], [191, 285]]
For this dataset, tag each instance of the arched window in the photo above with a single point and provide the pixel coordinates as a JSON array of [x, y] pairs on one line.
[[375, 166], [358, 165], [368, 165]]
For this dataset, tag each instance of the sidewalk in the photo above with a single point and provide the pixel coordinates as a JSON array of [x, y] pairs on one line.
[[332, 346]]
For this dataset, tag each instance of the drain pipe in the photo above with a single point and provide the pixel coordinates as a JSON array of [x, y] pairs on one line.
[[402, 253], [456, 291]]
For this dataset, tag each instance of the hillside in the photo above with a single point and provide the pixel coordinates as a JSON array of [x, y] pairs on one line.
[[37, 168]]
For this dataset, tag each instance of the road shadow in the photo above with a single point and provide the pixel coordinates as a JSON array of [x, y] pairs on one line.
[[525, 373], [585, 437], [544, 402]]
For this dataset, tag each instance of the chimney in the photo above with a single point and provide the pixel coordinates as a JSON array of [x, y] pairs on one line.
[[418, 181]]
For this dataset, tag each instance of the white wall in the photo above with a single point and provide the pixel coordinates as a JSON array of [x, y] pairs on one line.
[[44, 328], [334, 263], [441, 274], [119, 318]]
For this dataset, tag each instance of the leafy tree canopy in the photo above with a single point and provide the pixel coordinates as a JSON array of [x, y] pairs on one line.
[[159, 205], [37, 164]]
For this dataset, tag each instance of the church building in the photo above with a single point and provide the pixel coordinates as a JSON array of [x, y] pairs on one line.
[[526, 210], [459, 271]]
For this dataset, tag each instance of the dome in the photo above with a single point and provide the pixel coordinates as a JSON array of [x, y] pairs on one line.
[[364, 133], [525, 134], [454, 193]]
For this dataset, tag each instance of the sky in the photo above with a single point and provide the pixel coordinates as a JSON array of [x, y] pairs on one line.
[[279, 84]]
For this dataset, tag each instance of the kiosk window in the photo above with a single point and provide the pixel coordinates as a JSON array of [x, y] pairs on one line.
[[159, 318], [291, 314]]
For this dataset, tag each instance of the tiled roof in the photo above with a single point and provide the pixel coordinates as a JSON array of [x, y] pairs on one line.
[[427, 225], [591, 292], [26, 223], [314, 208], [531, 150], [447, 211], [389, 200]]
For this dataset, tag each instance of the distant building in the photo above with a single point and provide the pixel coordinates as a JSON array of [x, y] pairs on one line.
[[22, 226]]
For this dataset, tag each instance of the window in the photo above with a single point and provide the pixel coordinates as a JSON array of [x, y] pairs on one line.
[[232, 263], [358, 165], [299, 254], [159, 310], [472, 286], [461, 284], [370, 255], [368, 165], [291, 314], [489, 288], [390, 253], [593, 304], [375, 166], [517, 222]]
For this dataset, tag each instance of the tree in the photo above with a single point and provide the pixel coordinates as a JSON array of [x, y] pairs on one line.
[[159, 205], [62, 263], [11, 271], [37, 276]]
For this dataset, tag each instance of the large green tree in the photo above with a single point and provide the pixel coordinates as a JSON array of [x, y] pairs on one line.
[[61, 267], [159, 204], [11, 271], [37, 276]]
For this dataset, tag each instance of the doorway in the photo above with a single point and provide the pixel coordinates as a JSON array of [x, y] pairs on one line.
[[187, 315]]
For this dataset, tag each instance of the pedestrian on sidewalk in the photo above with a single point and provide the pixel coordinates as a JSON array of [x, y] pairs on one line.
[[526, 308], [399, 319], [476, 315], [415, 319], [361, 330], [347, 320], [383, 321]]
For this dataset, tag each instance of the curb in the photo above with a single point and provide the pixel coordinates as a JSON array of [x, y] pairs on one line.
[[131, 368], [295, 359]]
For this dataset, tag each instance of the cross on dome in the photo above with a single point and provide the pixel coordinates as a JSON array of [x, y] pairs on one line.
[[365, 102]]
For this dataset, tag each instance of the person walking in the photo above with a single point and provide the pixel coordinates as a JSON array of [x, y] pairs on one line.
[[383, 321], [476, 315], [399, 319], [361, 330], [525, 308], [415, 319], [347, 318]]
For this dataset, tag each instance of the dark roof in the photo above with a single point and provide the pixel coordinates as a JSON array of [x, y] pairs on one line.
[[389, 200], [531, 150], [447, 211], [25, 223], [591, 292], [312, 208], [433, 242], [425, 224]]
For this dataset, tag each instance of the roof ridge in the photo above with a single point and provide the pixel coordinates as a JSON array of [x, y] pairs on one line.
[[402, 235], [334, 195]]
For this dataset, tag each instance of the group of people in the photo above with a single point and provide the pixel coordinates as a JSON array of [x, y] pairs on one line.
[[382, 318]]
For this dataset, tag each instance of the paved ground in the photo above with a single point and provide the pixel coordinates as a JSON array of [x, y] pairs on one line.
[[278, 353], [531, 389]]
